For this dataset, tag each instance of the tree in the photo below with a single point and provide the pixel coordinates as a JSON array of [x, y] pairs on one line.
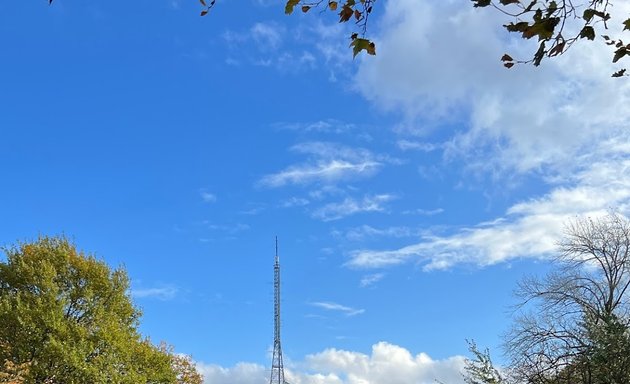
[[66, 317], [574, 325], [557, 25], [479, 369], [349, 11]]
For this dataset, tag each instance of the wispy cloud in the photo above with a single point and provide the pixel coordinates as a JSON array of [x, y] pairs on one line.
[[207, 197], [269, 35], [294, 202], [368, 232], [164, 293], [253, 209], [529, 228], [230, 228], [330, 306], [329, 163], [351, 206], [407, 145], [320, 126], [424, 212], [369, 280]]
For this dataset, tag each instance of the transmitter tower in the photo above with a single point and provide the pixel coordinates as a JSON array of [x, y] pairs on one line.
[[277, 366]]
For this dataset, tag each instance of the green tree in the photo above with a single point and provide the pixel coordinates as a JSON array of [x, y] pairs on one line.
[[66, 317], [480, 369]]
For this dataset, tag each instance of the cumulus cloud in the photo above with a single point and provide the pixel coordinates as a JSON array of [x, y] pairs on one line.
[[241, 373], [387, 363], [439, 62], [328, 163], [351, 206]]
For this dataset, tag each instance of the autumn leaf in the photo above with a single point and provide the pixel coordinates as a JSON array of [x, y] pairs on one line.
[[288, 9], [619, 53], [345, 14], [360, 44], [588, 32]]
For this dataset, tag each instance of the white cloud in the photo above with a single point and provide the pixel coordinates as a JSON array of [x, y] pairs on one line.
[[424, 212], [365, 231], [295, 202], [369, 280], [320, 126], [164, 293], [330, 306], [329, 163], [350, 206], [267, 35], [407, 145], [529, 228], [207, 197], [241, 373], [387, 364], [439, 64]]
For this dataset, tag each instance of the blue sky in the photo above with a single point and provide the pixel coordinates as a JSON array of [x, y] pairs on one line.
[[409, 191]]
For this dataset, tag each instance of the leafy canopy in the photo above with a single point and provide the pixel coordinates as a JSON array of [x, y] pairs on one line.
[[66, 317]]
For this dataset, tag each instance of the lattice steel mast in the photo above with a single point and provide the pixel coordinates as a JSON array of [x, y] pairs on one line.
[[277, 366]]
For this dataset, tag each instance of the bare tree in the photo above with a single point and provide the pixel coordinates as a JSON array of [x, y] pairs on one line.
[[572, 325]]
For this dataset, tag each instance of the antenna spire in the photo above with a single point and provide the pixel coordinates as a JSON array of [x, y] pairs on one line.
[[277, 366]]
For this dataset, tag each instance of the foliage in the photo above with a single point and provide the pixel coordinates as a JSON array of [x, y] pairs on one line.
[[66, 317], [609, 354], [479, 369], [557, 25], [185, 369], [348, 11], [577, 327]]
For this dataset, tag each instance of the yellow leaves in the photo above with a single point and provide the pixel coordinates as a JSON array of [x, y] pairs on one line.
[[360, 44], [347, 10], [288, 8], [345, 14]]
